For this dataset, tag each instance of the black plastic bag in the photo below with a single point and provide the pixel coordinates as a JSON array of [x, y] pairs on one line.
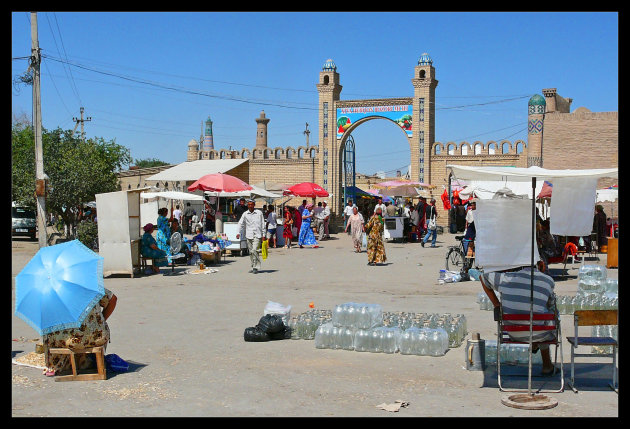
[[271, 323], [282, 335], [255, 334]]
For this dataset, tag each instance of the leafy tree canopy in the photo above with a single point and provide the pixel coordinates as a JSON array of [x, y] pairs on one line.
[[149, 162], [77, 169]]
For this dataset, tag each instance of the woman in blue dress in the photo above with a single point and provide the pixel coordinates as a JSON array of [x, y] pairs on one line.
[[306, 236], [150, 249], [164, 230]]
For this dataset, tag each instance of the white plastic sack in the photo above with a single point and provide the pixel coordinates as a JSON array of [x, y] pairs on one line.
[[573, 202], [504, 234], [279, 309]]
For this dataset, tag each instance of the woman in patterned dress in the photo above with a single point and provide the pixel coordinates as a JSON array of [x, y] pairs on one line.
[[94, 332], [150, 249], [376, 247], [164, 230], [306, 232]]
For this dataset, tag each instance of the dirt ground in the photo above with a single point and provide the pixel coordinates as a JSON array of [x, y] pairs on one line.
[[183, 337]]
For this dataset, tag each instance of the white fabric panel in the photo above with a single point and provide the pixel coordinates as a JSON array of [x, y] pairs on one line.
[[504, 234], [172, 195], [604, 195], [193, 170], [573, 202], [520, 174]]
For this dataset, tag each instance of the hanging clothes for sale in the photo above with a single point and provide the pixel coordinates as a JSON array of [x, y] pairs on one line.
[[445, 201]]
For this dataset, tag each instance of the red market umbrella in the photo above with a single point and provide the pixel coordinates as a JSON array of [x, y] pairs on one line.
[[219, 182], [306, 189]]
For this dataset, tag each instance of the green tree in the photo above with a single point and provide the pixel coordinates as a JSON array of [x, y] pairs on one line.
[[149, 162], [77, 169]]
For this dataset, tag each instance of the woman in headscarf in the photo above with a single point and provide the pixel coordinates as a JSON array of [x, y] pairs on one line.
[[164, 229], [93, 332], [355, 223], [287, 224], [376, 247], [150, 249], [306, 232]]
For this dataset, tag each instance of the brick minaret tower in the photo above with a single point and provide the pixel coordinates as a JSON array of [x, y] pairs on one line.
[[535, 123], [261, 131]]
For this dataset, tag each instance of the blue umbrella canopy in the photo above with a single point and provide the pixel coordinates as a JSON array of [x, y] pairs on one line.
[[59, 286]]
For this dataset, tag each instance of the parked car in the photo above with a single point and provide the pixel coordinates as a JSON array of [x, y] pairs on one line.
[[23, 222]]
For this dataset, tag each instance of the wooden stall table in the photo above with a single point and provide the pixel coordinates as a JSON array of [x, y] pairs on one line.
[[612, 254]]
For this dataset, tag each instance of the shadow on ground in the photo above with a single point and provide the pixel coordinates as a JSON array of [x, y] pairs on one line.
[[588, 377]]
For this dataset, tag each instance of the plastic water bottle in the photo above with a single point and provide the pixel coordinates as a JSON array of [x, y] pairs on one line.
[[322, 336], [491, 352], [346, 338], [389, 340], [442, 277], [361, 340], [376, 338]]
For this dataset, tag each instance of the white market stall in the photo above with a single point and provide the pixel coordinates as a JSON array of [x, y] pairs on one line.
[[148, 210], [119, 231], [574, 199], [230, 229]]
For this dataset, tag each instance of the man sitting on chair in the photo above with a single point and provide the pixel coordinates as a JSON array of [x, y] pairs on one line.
[[515, 288]]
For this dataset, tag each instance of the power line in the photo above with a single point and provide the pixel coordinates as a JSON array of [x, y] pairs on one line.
[[65, 68], [188, 91]]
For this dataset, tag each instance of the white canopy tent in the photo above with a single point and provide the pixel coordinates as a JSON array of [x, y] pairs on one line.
[[193, 170], [500, 229], [256, 191], [172, 195]]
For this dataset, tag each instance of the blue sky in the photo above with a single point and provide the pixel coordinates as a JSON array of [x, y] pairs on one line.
[[148, 80]]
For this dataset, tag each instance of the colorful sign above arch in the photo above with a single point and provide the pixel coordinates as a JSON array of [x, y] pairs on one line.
[[400, 114]]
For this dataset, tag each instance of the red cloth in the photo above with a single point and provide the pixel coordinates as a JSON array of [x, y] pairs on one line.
[[447, 204]]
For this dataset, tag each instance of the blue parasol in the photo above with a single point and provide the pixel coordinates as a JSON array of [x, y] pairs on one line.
[[58, 287]]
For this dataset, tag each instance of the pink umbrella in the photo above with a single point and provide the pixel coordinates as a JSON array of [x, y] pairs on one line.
[[219, 182]]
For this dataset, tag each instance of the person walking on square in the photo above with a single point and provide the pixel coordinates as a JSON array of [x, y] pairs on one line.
[[355, 226], [376, 247], [326, 217], [347, 212], [252, 225], [272, 226], [307, 238], [431, 215], [287, 224], [188, 214]]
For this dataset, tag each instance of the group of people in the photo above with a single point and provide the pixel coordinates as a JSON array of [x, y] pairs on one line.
[[158, 248]]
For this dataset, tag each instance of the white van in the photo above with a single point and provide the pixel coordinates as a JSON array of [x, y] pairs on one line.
[[23, 221]]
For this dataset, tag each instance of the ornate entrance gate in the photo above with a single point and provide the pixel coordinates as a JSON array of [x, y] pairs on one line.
[[349, 171], [337, 118]]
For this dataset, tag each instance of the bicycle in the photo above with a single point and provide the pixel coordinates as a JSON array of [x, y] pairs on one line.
[[456, 259]]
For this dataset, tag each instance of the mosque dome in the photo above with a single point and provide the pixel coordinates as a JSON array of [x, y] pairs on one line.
[[193, 145], [537, 100], [425, 60], [329, 65]]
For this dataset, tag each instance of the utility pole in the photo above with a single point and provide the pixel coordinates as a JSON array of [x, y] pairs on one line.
[[40, 176], [89, 118], [306, 132]]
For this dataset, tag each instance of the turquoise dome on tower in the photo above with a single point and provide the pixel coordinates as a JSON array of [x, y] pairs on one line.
[[537, 100], [425, 60], [329, 65]]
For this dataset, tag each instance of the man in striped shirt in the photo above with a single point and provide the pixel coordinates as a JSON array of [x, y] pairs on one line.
[[514, 285]]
